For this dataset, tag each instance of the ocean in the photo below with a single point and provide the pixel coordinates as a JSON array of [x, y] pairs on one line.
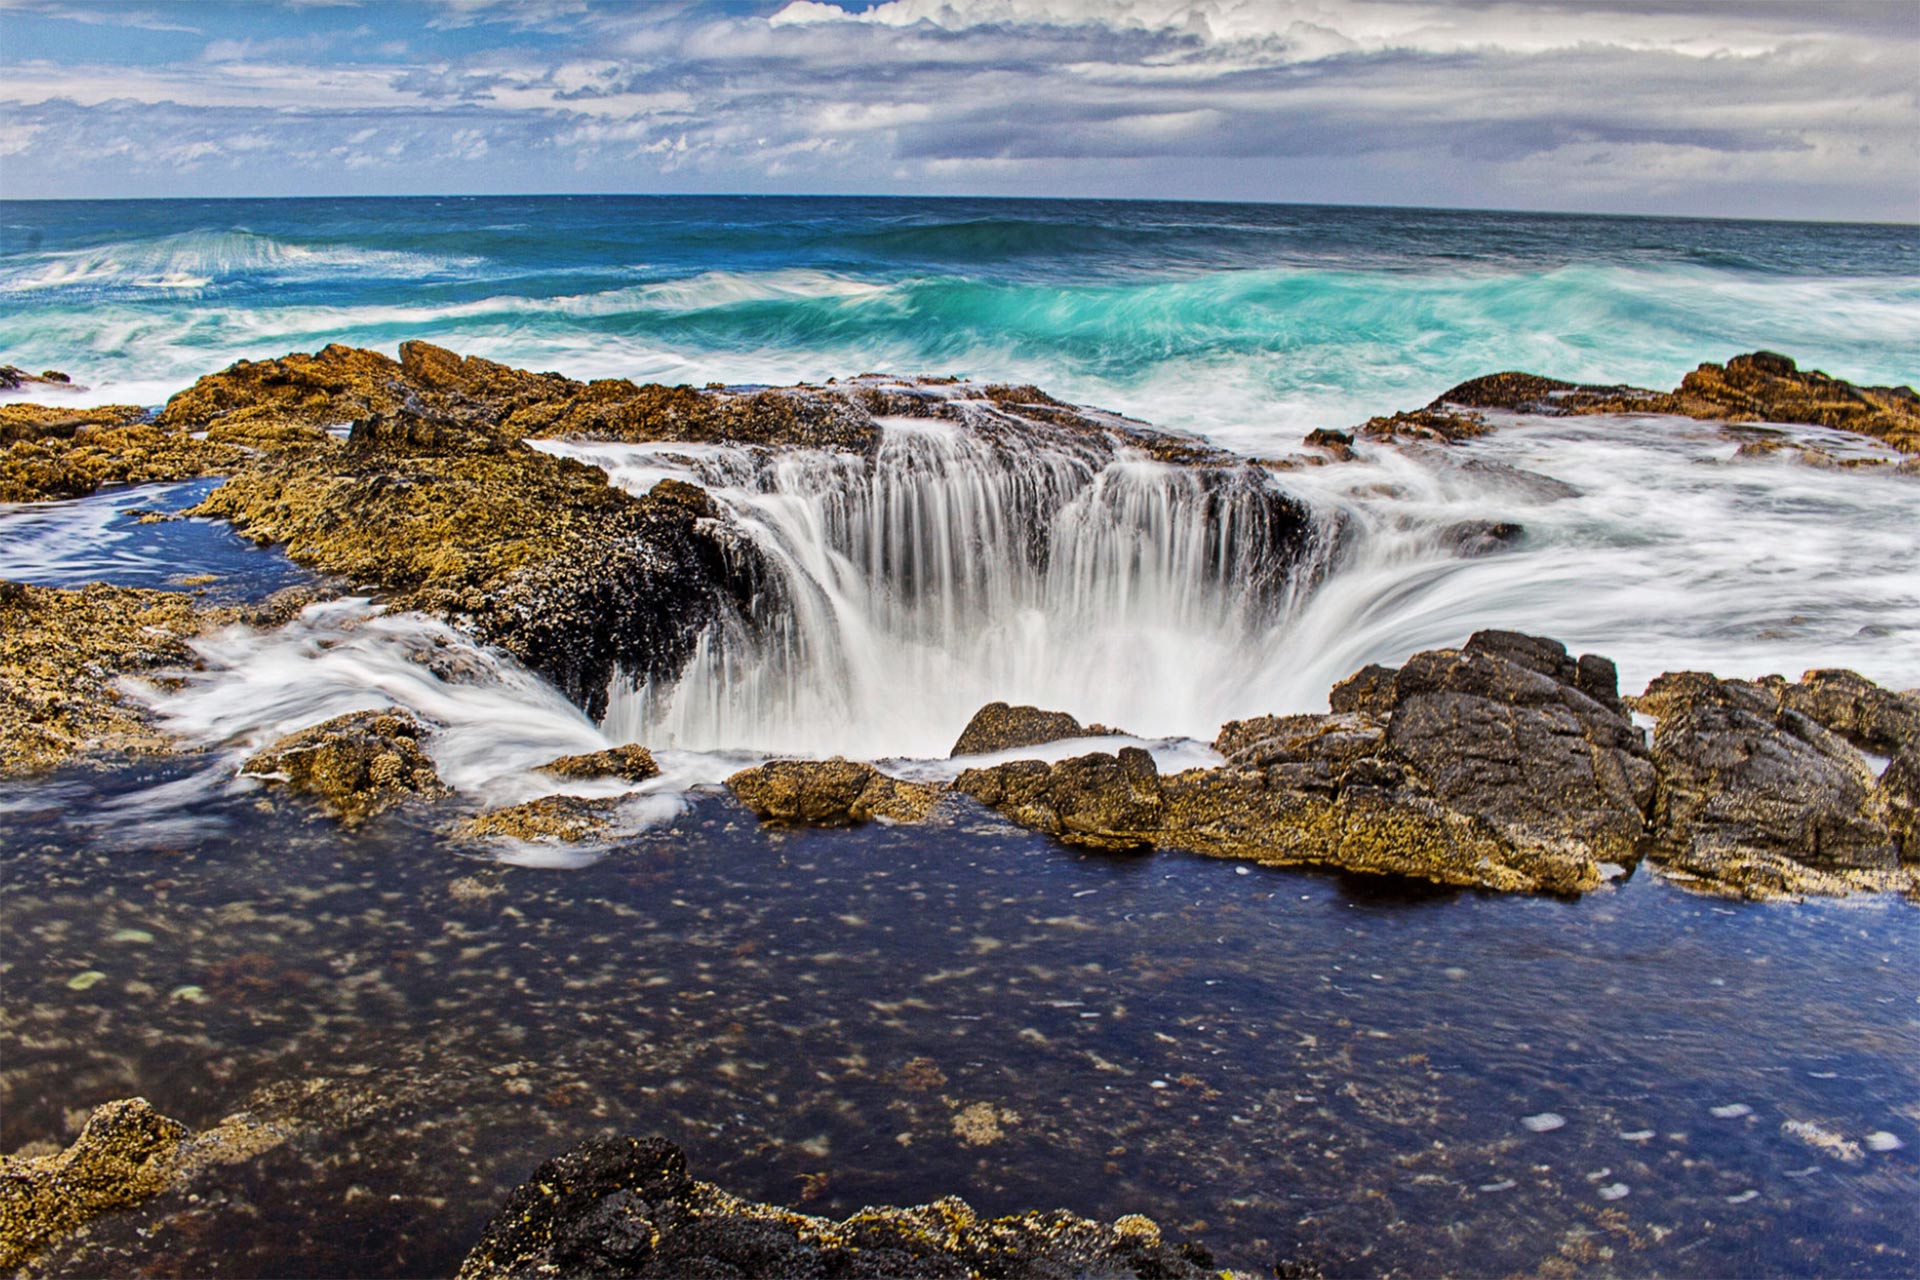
[[1250, 323]]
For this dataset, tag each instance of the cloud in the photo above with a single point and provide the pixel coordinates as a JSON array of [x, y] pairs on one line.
[[1631, 103]]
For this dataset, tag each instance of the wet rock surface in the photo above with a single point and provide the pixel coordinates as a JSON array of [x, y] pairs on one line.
[[630, 762], [626, 1207], [1506, 764], [62, 653], [357, 765], [552, 819], [1000, 727], [830, 793], [1759, 386], [1759, 797]]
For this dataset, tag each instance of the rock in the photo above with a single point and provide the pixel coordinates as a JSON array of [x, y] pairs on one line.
[[1506, 764], [1473, 538], [1337, 443], [550, 819], [999, 727], [1757, 798], [631, 763], [1502, 730], [1370, 689], [357, 765], [1759, 387], [1849, 704], [1098, 801], [127, 1153], [61, 655], [12, 378], [1433, 424], [830, 793], [626, 1207], [51, 452]]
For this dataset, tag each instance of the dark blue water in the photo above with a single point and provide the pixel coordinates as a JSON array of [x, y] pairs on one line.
[[1246, 321]]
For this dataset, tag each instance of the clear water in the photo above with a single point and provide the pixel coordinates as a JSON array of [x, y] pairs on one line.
[[1274, 1061]]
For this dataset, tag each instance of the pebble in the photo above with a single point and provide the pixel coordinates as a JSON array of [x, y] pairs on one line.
[[192, 995], [1881, 1140], [81, 981], [1505, 1184], [1242, 871], [1744, 1196], [1614, 1191], [1545, 1122], [1732, 1111], [131, 935], [1638, 1135]]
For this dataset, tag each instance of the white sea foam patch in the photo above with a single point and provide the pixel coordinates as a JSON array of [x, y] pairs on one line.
[[189, 261], [492, 722]]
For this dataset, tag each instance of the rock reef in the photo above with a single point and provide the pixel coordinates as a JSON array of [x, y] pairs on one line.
[[62, 654], [830, 793], [1506, 764], [357, 765], [1762, 386], [627, 1207]]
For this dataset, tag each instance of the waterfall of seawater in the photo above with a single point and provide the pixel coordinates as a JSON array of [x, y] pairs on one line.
[[952, 569]]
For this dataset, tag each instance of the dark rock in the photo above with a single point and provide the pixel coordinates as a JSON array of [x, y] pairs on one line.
[[357, 765], [1500, 730], [1370, 689], [1473, 538], [830, 793], [1433, 424], [625, 1207], [999, 727], [1337, 443], [631, 762], [1849, 704], [1758, 797], [1097, 801]]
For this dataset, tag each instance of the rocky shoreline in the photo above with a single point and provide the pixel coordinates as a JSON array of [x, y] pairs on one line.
[[1506, 764]]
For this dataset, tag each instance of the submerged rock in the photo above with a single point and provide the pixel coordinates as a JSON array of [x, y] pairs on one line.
[[62, 653], [626, 1207], [1000, 727], [830, 793], [357, 765], [631, 762], [1756, 797]]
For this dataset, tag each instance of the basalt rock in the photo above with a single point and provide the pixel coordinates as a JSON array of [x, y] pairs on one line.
[[1506, 764], [830, 793], [1759, 387], [631, 763], [1757, 798], [62, 654], [626, 1207], [357, 765], [550, 819], [1106, 802], [1000, 727]]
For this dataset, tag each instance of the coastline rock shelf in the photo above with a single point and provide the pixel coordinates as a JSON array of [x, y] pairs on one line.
[[1505, 764]]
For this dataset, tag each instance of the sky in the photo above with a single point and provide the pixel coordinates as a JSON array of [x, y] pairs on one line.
[[1742, 108]]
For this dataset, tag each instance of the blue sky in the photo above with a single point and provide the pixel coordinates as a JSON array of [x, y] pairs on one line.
[[1764, 108]]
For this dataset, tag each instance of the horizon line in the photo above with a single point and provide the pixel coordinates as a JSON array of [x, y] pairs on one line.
[[1063, 199]]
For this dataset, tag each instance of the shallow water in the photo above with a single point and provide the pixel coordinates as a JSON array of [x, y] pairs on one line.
[[1274, 1061]]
